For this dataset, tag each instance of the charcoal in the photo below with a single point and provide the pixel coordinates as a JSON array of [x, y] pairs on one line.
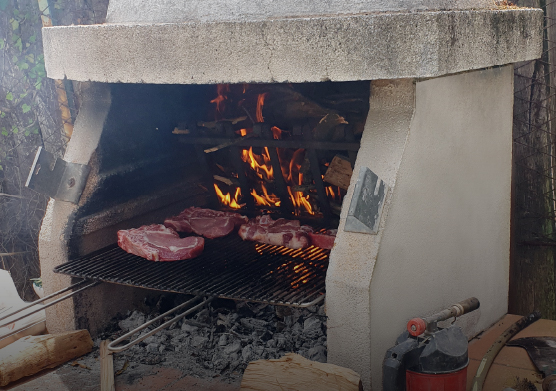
[[312, 327], [203, 316], [198, 341], [188, 329], [153, 348], [254, 324], [317, 353], [247, 353], [222, 339], [234, 347], [135, 320]]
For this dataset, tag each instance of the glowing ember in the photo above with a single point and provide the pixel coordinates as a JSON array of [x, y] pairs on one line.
[[260, 103], [227, 199]]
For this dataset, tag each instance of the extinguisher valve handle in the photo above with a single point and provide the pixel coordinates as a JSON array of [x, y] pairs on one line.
[[416, 326]]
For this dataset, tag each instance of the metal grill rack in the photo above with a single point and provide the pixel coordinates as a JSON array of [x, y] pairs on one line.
[[228, 268]]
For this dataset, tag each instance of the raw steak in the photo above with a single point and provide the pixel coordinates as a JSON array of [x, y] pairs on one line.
[[282, 232], [158, 243], [323, 240], [206, 222]]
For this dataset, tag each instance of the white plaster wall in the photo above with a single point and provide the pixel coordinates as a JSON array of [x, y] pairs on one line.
[[447, 236], [444, 233], [55, 231], [348, 279]]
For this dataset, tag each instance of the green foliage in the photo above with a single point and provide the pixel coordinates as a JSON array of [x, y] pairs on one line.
[[21, 43]]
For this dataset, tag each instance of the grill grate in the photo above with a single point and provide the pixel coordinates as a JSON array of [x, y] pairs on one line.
[[228, 268]]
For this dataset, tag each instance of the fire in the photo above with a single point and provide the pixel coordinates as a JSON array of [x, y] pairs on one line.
[[259, 163], [276, 132], [260, 104], [221, 90], [266, 199], [299, 200], [243, 132], [227, 199]]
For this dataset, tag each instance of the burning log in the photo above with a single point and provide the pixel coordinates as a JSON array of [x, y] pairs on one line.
[[227, 181], [31, 355], [326, 128], [339, 172], [293, 372]]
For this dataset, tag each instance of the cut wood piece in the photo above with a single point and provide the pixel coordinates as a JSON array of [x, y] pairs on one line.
[[106, 368], [295, 373], [30, 355], [339, 172]]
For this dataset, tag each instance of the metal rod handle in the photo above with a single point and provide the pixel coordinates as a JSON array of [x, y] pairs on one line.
[[116, 349], [43, 299], [49, 304], [418, 326]]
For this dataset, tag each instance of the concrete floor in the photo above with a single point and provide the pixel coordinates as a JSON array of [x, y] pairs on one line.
[[512, 363]]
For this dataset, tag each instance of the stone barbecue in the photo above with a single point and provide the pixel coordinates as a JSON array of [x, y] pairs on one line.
[[425, 220]]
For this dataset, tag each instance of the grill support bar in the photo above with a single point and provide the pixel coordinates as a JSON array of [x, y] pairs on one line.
[[112, 347], [15, 331]]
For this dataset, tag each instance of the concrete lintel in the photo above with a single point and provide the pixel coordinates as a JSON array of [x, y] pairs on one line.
[[339, 48]]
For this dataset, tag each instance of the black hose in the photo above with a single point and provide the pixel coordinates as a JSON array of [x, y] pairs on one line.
[[491, 354]]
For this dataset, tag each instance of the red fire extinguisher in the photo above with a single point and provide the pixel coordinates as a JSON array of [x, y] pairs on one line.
[[428, 358]]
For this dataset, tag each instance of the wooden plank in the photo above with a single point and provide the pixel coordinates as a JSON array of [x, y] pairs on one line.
[[293, 372], [30, 355], [339, 172], [106, 368]]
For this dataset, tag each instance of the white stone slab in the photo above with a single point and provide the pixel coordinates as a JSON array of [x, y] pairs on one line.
[[178, 11], [339, 48]]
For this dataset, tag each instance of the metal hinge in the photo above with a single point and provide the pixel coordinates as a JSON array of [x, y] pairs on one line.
[[57, 178]]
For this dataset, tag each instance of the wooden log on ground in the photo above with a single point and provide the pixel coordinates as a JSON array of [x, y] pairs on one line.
[[295, 373], [30, 355], [106, 368]]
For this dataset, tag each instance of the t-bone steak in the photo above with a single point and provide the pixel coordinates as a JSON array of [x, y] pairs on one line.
[[281, 232], [206, 222], [323, 239], [158, 243]]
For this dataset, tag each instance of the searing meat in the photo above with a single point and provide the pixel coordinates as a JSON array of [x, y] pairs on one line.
[[206, 222], [158, 243], [282, 232], [323, 240]]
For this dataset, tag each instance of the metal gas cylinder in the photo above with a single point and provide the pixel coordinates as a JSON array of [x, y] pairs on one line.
[[428, 358]]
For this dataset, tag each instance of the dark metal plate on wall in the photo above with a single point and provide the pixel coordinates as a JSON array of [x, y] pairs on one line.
[[366, 203]]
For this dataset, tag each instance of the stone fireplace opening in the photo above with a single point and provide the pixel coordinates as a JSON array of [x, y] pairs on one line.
[[433, 130]]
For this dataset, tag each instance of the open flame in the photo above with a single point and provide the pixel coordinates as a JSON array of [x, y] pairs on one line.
[[299, 200], [290, 165], [259, 163], [227, 199], [260, 104], [276, 133], [221, 90]]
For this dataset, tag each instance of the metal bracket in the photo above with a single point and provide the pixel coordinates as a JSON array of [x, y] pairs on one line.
[[57, 178]]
